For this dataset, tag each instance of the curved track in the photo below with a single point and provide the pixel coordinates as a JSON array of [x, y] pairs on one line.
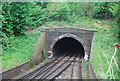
[[64, 67]]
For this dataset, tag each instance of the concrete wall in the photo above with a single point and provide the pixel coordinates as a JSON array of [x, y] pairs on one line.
[[40, 52]]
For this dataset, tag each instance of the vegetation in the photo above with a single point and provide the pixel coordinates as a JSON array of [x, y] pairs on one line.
[[18, 17], [19, 51]]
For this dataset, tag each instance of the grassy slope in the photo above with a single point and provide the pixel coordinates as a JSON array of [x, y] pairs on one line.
[[103, 45], [20, 52]]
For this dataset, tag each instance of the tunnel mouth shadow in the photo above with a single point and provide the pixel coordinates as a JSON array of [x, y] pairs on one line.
[[68, 46]]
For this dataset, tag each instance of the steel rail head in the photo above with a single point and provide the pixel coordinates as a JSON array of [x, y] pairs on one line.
[[63, 67], [48, 68], [35, 70]]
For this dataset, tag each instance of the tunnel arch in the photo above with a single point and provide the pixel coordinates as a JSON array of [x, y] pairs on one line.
[[71, 37]]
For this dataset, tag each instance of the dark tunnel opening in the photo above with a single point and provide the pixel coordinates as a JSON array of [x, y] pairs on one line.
[[69, 46]]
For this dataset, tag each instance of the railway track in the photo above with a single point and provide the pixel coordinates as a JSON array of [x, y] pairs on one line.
[[64, 67]]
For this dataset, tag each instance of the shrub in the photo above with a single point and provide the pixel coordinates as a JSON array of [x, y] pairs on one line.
[[15, 18]]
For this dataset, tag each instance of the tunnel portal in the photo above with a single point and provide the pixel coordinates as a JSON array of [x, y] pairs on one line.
[[58, 41], [69, 46]]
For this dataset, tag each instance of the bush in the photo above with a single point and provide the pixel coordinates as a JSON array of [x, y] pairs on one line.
[[59, 11], [14, 18], [38, 15]]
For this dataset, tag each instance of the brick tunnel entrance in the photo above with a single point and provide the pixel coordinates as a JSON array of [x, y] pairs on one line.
[[68, 45]]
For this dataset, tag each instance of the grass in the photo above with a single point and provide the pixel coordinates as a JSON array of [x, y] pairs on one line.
[[103, 44], [21, 51]]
